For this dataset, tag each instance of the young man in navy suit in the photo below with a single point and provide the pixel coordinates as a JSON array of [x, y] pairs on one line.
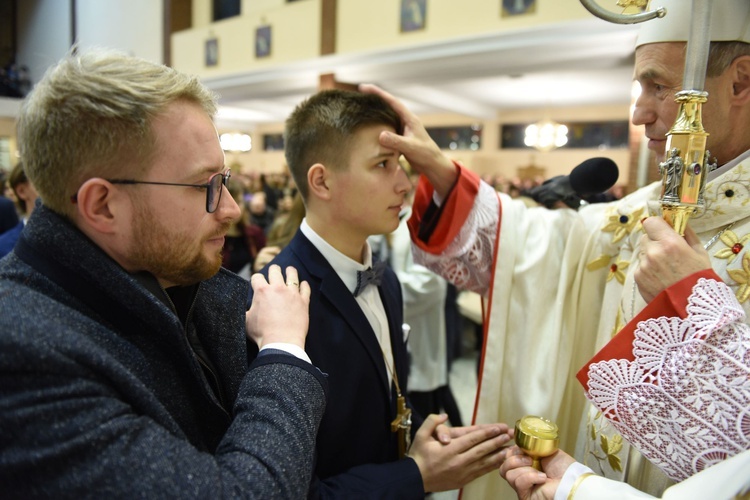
[[354, 188]]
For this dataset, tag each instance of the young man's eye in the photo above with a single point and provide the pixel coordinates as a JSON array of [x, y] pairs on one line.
[[383, 164]]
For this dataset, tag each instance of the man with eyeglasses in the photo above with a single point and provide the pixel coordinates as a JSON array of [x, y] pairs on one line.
[[123, 344]]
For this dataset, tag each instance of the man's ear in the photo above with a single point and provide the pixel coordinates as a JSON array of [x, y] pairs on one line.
[[318, 181], [741, 79], [96, 202]]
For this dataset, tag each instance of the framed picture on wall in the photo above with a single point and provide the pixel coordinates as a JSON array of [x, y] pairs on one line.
[[516, 7], [413, 15], [212, 52], [263, 41]]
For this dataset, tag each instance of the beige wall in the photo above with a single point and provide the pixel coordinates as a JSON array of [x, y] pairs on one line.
[[202, 9], [362, 25], [444, 19], [258, 160], [295, 36], [8, 129]]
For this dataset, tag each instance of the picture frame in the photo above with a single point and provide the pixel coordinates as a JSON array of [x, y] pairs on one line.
[[413, 15], [509, 8], [212, 52], [262, 41]]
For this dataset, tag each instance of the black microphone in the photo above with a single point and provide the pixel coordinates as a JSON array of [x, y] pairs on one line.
[[592, 177]]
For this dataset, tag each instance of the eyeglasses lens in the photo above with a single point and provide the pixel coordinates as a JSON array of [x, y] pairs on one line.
[[213, 193]]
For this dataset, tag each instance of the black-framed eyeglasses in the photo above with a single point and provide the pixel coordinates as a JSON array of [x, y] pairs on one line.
[[214, 187]]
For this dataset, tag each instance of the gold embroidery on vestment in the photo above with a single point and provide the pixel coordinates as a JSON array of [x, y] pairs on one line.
[[599, 263], [742, 277], [618, 271], [610, 447], [621, 225], [730, 239]]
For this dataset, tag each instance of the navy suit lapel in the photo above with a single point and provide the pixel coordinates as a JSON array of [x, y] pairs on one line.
[[333, 289], [390, 294]]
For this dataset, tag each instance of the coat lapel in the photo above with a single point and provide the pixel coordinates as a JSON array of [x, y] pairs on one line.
[[390, 294], [333, 290]]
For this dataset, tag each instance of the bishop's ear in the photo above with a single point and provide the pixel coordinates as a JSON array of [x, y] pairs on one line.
[[741, 83]]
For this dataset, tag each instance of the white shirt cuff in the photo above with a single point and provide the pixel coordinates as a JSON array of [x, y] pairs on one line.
[[437, 198], [572, 473], [292, 349]]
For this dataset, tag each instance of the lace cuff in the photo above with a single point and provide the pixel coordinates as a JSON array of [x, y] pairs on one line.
[[684, 400], [467, 261]]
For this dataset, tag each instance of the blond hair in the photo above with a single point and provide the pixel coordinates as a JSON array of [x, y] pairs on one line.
[[91, 115]]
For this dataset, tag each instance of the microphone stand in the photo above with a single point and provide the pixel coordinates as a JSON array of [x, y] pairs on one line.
[[686, 158]]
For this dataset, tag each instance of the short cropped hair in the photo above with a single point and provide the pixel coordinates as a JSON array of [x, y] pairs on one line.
[[91, 115], [722, 54], [320, 130]]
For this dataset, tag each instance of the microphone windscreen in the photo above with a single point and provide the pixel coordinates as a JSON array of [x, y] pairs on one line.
[[594, 175]]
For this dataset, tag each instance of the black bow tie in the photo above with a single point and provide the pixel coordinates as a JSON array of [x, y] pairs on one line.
[[372, 275]]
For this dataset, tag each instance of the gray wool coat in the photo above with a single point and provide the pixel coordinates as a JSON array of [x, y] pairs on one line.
[[101, 395]]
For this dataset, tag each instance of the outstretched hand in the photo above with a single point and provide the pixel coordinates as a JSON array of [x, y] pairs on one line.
[[666, 257], [469, 453], [280, 308], [416, 145]]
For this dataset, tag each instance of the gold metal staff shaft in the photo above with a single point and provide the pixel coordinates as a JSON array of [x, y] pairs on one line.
[[686, 164]]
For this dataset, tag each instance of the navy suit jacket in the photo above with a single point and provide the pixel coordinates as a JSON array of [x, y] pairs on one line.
[[357, 454], [9, 238], [8, 214]]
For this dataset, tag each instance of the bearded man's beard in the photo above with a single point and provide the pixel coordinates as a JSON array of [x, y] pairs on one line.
[[175, 257]]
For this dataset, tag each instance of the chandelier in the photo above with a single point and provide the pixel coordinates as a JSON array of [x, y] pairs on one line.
[[546, 135]]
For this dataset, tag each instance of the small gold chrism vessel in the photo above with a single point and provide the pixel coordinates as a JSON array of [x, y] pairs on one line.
[[537, 437]]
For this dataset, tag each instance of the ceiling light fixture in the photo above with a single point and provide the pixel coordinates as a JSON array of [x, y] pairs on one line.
[[236, 142], [546, 135]]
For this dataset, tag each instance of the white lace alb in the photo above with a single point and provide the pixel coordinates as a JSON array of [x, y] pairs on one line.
[[467, 261], [684, 402]]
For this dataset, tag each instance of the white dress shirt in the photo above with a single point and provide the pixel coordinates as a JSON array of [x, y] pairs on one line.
[[369, 299]]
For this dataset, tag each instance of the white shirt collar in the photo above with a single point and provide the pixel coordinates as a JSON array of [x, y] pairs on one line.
[[345, 267]]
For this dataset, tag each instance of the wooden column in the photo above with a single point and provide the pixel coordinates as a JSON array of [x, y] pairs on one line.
[[328, 81], [178, 16], [328, 27]]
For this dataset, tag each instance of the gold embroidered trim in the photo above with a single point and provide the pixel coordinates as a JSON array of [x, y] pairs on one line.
[[577, 484]]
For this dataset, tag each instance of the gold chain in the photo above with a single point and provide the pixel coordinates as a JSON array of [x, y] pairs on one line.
[[392, 372]]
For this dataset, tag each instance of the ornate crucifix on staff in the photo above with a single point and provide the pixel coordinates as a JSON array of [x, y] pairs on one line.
[[686, 160]]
